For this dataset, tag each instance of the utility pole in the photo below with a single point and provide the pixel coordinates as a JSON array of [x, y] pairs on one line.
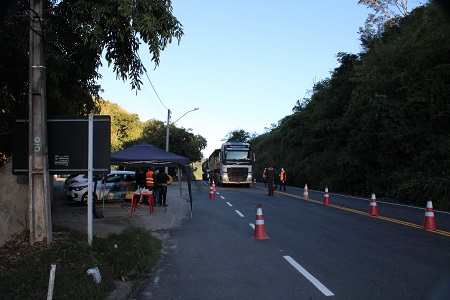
[[166, 169], [168, 134], [38, 175]]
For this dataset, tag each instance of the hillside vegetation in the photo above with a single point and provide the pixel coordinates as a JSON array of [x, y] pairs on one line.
[[380, 123]]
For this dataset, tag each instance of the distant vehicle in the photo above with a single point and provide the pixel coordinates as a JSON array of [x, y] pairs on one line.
[[205, 170], [118, 185], [74, 178], [232, 164]]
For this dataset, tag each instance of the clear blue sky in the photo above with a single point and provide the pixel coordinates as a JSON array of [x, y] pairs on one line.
[[244, 64]]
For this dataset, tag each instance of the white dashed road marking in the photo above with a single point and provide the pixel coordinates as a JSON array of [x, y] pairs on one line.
[[308, 276], [239, 213]]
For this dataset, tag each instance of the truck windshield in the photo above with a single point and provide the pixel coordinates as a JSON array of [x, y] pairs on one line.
[[237, 155]]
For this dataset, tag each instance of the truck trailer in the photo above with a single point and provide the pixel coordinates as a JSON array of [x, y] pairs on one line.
[[232, 164]]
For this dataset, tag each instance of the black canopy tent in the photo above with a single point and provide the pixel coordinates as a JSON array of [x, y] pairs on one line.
[[145, 154]]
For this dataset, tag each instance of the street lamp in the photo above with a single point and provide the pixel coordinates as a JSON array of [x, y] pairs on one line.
[[168, 126], [185, 114]]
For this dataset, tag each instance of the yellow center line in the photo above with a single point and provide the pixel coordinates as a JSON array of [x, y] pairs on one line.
[[441, 232]]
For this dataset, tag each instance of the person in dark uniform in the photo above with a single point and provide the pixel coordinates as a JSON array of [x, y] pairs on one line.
[[140, 179], [270, 179], [161, 179], [275, 179]]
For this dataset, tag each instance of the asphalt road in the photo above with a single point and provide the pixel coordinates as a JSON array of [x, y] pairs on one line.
[[314, 251]]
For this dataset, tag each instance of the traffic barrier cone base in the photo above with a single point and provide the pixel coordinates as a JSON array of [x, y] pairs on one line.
[[326, 197], [211, 194], [373, 211], [305, 192], [260, 229], [429, 223]]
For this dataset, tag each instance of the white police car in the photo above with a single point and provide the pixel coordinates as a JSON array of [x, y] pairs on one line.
[[118, 185]]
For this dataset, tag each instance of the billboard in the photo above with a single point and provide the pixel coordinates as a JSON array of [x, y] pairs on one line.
[[67, 145]]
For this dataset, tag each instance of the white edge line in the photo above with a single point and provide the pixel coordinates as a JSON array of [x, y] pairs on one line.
[[308, 276], [239, 213]]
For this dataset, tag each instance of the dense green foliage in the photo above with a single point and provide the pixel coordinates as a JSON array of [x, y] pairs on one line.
[[181, 140], [76, 35], [380, 123], [237, 135], [124, 125], [127, 130], [24, 272]]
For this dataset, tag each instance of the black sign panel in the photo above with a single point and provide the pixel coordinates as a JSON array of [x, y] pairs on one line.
[[67, 145]]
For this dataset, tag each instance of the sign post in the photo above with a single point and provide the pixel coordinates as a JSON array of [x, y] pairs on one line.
[[90, 167], [69, 150]]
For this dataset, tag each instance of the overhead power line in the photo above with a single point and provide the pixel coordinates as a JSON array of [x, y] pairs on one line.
[[156, 93], [147, 93]]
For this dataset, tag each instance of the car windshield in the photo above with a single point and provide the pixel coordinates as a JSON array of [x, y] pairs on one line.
[[112, 178]]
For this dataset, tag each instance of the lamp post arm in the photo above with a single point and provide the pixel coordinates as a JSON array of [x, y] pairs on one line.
[[185, 114]]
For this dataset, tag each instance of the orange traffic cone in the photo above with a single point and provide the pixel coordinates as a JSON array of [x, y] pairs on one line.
[[429, 223], [260, 229], [305, 192], [214, 186], [373, 211], [211, 194], [254, 182], [326, 197]]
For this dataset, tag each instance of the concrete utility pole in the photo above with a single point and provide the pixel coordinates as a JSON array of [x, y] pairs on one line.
[[38, 175], [166, 169], [167, 132]]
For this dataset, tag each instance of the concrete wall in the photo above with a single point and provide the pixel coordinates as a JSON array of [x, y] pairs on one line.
[[13, 203]]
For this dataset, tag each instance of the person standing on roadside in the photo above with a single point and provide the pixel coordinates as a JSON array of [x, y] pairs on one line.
[[162, 179], [140, 179], [265, 177], [283, 179], [270, 178], [150, 181], [156, 189], [275, 179]]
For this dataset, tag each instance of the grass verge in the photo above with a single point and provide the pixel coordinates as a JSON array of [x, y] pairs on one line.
[[25, 269]]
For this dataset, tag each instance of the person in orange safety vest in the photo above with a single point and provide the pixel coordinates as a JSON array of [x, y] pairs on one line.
[[283, 179], [149, 181], [265, 177]]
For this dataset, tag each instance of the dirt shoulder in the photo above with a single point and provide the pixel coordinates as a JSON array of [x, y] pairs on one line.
[[118, 217]]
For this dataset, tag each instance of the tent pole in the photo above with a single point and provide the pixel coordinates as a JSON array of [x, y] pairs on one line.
[[179, 178]]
